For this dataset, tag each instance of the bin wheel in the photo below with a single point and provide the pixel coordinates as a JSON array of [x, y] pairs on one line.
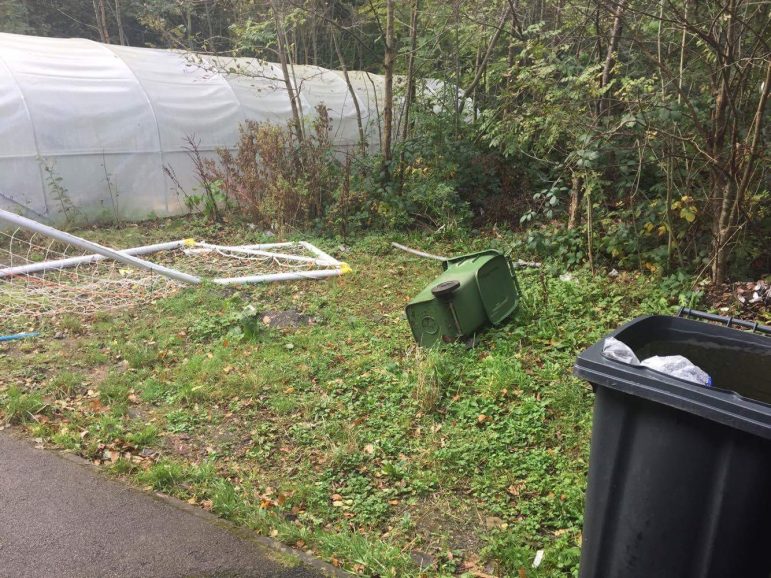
[[445, 289]]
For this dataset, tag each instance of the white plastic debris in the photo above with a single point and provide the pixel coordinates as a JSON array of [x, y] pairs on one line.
[[538, 559], [615, 349], [678, 366], [566, 277], [674, 365]]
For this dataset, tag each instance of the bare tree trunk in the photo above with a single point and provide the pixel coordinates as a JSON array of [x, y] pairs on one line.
[[208, 23], [297, 124], [352, 92], [598, 32], [589, 227], [723, 189], [377, 109], [388, 67], [670, 231], [474, 92], [682, 57], [610, 56], [119, 22], [98, 21], [315, 39], [574, 213], [733, 192], [104, 22], [189, 25], [481, 68], [456, 50], [410, 96], [101, 21], [658, 42]]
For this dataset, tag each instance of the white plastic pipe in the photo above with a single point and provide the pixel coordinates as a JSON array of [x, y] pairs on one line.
[[418, 253], [268, 245], [36, 227], [296, 276], [248, 250], [44, 266], [316, 251]]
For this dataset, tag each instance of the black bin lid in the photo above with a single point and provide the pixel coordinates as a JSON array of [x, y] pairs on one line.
[[738, 361]]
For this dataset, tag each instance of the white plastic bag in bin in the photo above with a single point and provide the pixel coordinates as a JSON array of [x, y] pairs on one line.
[[674, 365]]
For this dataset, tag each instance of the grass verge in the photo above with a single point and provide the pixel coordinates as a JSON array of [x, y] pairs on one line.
[[337, 435]]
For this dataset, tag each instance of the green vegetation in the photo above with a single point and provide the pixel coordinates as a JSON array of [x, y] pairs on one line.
[[340, 436], [638, 127], [625, 135]]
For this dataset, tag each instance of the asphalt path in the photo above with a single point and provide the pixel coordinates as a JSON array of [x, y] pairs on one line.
[[60, 517]]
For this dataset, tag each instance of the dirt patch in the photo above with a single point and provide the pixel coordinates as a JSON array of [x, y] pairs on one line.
[[289, 319], [98, 374], [183, 445], [445, 522]]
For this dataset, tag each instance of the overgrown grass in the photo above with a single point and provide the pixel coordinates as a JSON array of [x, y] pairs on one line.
[[341, 436]]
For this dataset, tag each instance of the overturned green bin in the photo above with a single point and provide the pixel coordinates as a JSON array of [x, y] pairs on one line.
[[474, 291]]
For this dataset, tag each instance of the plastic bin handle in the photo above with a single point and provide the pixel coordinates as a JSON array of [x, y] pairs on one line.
[[728, 321]]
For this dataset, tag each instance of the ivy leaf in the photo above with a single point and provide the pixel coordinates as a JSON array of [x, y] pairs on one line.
[[688, 214]]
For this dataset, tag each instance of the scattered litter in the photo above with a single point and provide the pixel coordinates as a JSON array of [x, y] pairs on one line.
[[755, 293], [16, 336], [674, 365], [567, 277], [613, 273], [761, 293], [538, 558], [520, 264]]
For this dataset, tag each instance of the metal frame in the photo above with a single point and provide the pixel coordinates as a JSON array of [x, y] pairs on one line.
[[128, 257]]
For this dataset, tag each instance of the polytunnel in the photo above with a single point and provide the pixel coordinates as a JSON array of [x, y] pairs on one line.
[[91, 127]]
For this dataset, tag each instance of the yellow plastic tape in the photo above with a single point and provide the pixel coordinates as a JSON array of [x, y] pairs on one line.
[[189, 242], [345, 268]]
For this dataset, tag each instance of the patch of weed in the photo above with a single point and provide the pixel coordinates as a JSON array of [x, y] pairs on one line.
[[115, 388], [65, 384], [143, 437], [19, 406]]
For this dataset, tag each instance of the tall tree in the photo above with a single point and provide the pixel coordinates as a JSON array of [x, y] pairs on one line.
[[389, 58]]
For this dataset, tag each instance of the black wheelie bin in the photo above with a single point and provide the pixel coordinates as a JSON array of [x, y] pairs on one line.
[[679, 473]]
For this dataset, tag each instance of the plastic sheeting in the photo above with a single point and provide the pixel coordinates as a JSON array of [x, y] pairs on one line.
[[88, 128]]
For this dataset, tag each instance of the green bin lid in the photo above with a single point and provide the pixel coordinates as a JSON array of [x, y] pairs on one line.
[[495, 281]]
